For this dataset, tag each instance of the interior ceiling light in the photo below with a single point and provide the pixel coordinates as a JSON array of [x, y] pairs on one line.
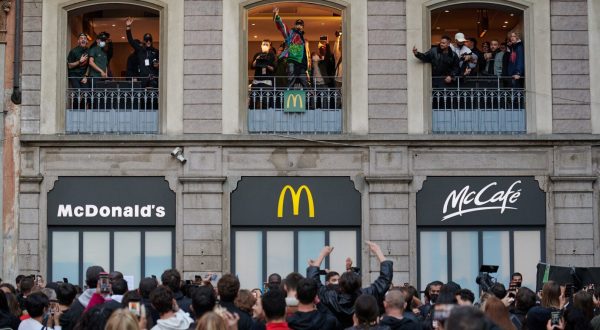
[[504, 26], [505, 22], [446, 11], [512, 14], [485, 23]]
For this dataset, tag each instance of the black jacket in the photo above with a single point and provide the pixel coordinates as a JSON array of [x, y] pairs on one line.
[[143, 54], [183, 302], [341, 305], [245, 322], [70, 317], [400, 324], [442, 64], [8, 320], [314, 320]]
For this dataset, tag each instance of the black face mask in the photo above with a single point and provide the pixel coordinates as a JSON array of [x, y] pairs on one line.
[[433, 298]]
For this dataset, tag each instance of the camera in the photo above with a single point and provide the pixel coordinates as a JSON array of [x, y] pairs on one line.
[[484, 279], [178, 153], [104, 283]]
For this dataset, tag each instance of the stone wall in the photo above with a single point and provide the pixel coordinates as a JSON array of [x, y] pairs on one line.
[[31, 67]]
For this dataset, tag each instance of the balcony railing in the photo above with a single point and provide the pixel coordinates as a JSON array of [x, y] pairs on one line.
[[115, 106], [269, 111], [479, 105]]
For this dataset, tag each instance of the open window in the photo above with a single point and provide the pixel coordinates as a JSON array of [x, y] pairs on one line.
[[289, 88], [483, 90], [113, 89]]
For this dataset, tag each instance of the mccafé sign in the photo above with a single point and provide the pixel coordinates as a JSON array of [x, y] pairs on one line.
[[295, 201], [481, 201], [112, 201]]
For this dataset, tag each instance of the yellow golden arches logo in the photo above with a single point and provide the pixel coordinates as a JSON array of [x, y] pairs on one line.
[[295, 101], [293, 98], [296, 200]]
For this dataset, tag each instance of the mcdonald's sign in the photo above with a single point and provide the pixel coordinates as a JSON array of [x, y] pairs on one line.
[[294, 101], [295, 201]]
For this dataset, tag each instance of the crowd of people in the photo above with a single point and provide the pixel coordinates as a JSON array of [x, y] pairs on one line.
[[461, 62], [89, 65], [297, 301]]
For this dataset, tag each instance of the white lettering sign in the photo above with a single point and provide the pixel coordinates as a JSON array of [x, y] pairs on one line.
[[91, 211], [466, 201]]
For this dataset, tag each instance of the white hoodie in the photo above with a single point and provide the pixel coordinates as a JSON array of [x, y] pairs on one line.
[[181, 321]]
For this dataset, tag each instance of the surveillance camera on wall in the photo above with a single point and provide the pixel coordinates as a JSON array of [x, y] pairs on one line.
[[178, 153]]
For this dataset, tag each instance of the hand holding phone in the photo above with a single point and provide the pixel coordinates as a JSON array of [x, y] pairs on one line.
[[104, 283]]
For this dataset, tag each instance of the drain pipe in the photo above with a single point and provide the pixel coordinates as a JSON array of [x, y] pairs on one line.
[[16, 94]]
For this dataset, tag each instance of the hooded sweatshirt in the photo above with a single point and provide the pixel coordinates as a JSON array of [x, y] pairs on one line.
[[400, 324], [181, 320], [314, 320]]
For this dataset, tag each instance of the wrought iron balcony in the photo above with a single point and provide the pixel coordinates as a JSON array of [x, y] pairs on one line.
[[115, 106], [479, 105], [316, 109]]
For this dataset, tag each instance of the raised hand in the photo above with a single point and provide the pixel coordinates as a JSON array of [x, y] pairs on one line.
[[276, 11], [376, 250], [129, 21]]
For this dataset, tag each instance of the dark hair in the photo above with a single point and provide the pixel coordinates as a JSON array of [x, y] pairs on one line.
[[525, 299], [448, 294], [307, 290], [10, 287], [267, 40], [584, 301], [291, 281], [36, 303], [273, 304], [466, 294], [91, 276], [446, 37], [146, 286], [132, 295], [498, 290], [19, 278], [65, 294], [228, 287], [428, 288], [245, 300], [172, 279], [473, 40], [330, 275], [515, 273], [409, 292], [162, 299], [551, 295], [365, 309], [13, 304], [465, 318], [119, 286], [350, 282], [203, 300], [94, 319], [4, 303], [115, 275], [26, 284]]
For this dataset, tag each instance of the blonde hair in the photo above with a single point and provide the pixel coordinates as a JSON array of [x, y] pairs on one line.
[[211, 321], [122, 319]]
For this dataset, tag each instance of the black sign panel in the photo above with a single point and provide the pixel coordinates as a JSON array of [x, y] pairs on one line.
[[481, 201], [295, 201], [111, 201]]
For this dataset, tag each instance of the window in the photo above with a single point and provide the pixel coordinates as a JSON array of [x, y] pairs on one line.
[[134, 252], [289, 90], [456, 255], [113, 89], [259, 253]]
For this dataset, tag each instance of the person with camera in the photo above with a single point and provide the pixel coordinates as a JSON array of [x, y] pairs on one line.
[[296, 50], [148, 58], [444, 63], [37, 305]]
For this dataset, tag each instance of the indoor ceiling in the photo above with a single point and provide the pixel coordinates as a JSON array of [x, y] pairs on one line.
[[116, 27], [452, 19]]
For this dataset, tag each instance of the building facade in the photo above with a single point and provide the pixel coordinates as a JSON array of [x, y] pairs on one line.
[[442, 188]]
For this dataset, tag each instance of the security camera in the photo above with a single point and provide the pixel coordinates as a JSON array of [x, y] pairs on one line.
[[178, 153]]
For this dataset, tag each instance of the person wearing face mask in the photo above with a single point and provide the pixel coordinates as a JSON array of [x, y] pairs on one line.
[[432, 292], [148, 58], [263, 64], [98, 59], [296, 51], [77, 63]]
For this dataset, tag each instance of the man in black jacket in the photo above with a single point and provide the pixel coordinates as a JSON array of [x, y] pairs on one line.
[[172, 279], [308, 317], [341, 304], [228, 287], [147, 57], [395, 305], [78, 306], [444, 63]]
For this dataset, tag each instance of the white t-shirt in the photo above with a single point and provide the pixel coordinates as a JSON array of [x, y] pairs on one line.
[[31, 324]]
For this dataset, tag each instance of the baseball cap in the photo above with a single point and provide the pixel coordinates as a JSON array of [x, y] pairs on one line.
[[299, 22], [460, 37], [82, 35], [103, 36], [147, 37]]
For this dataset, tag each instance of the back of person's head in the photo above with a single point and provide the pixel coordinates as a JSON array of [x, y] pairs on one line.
[[228, 287], [122, 319], [8, 286], [291, 281], [551, 295], [36, 303], [132, 295], [50, 293], [350, 282], [94, 319], [394, 300], [465, 318], [162, 299], [447, 294], [172, 279], [211, 321], [245, 300], [274, 280], [584, 301], [498, 313], [26, 285], [306, 291], [4, 307], [203, 300], [18, 279], [91, 276], [466, 295], [115, 275], [498, 290], [525, 299], [13, 304], [273, 304], [119, 286], [366, 310], [146, 286]]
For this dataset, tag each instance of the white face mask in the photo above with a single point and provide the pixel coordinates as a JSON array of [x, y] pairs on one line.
[[102, 44], [265, 47]]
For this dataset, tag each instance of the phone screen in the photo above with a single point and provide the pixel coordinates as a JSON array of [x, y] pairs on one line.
[[135, 308], [104, 284]]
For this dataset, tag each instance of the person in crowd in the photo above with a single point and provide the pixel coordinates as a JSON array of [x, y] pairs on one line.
[[316, 76], [327, 62], [465, 297], [516, 60], [332, 279], [290, 283], [146, 286], [18, 282], [579, 316], [444, 63], [73, 314], [552, 300], [296, 50], [7, 319], [263, 64], [471, 43], [498, 290], [395, 307], [93, 319], [171, 278], [228, 287], [216, 321], [516, 277], [257, 293], [204, 300], [465, 55], [26, 286], [123, 319], [258, 315], [366, 314], [8, 288], [98, 59], [65, 294], [274, 307], [77, 63], [148, 57], [281, 68], [119, 288], [133, 64], [307, 317], [341, 303], [274, 281], [37, 305], [171, 316], [466, 318], [524, 301], [497, 312], [410, 297], [13, 305], [245, 301], [432, 292]]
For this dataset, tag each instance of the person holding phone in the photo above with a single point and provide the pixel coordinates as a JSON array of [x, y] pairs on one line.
[[171, 316], [171, 278]]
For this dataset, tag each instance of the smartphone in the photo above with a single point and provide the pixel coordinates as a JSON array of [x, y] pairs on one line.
[[213, 277], [38, 280], [323, 38], [135, 307], [555, 317], [104, 283], [265, 287]]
